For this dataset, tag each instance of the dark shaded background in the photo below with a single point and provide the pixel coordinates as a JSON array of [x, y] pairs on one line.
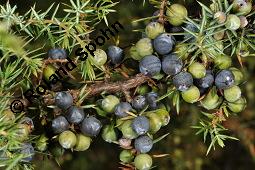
[[186, 150]]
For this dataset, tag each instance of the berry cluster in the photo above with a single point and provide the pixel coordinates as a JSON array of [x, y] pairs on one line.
[[89, 126], [160, 51], [134, 124], [24, 128], [175, 56]]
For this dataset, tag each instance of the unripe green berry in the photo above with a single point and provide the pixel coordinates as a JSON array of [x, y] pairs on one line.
[[162, 106], [243, 50], [181, 50], [126, 156], [109, 103], [233, 22], [67, 139], [57, 150], [22, 132], [239, 77], [48, 71], [232, 94], [134, 53], [153, 29], [127, 130], [143, 162], [212, 51], [214, 7], [109, 134], [41, 143], [144, 47], [7, 116], [164, 116], [176, 14], [220, 17], [191, 95], [223, 62], [142, 90], [119, 123], [100, 57], [197, 70], [238, 105], [155, 122], [244, 21], [243, 7], [82, 143], [219, 35], [211, 100]]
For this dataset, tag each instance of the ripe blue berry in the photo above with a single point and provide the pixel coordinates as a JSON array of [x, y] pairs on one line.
[[91, 126], [141, 125], [28, 151], [183, 81], [163, 44], [115, 54], [63, 100], [151, 99], [143, 144], [150, 65], [57, 53], [156, 13], [75, 115], [191, 28], [28, 121], [122, 108], [139, 102], [202, 90], [224, 79], [206, 81], [171, 64], [59, 124]]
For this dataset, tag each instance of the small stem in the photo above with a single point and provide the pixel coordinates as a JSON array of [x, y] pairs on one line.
[[161, 11]]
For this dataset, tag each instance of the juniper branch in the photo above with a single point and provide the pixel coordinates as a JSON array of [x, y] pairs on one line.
[[161, 11], [110, 87]]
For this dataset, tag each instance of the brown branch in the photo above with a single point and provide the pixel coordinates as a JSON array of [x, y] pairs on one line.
[[161, 11], [110, 87]]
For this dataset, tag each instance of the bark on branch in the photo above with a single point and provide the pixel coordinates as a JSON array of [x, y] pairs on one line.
[[161, 12], [110, 87]]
